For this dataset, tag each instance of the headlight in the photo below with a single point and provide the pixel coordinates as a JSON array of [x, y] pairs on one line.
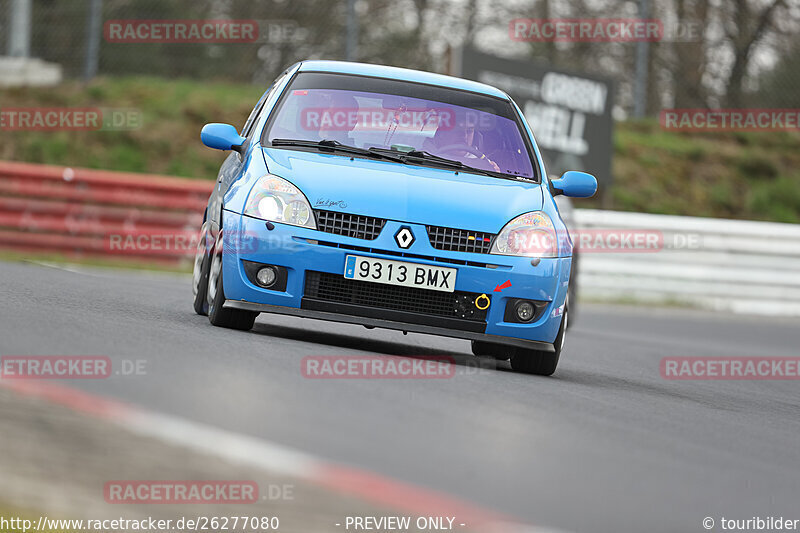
[[275, 199], [531, 234]]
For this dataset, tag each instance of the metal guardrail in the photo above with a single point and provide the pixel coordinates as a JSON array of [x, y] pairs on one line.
[[87, 213], [733, 265]]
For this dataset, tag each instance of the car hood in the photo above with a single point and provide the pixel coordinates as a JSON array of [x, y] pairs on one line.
[[406, 193]]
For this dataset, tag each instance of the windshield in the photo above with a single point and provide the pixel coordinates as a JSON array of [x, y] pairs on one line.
[[477, 130]]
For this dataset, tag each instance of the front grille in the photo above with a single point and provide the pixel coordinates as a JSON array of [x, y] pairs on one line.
[[460, 240], [411, 256], [358, 226], [336, 288]]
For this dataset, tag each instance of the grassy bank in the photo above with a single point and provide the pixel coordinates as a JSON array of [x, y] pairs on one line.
[[753, 175], [731, 175], [168, 141]]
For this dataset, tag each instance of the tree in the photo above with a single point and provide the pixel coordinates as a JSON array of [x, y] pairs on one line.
[[744, 26], [690, 64]]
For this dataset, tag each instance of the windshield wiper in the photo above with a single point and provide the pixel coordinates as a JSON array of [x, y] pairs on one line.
[[418, 155], [330, 145], [426, 157]]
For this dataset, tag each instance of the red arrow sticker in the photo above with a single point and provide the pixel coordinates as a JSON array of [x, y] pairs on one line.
[[505, 285]]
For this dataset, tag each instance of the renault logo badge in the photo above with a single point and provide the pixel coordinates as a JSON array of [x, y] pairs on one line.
[[404, 237]]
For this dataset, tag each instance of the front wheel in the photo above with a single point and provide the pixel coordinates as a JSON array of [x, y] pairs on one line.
[[218, 315], [539, 362], [572, 291]]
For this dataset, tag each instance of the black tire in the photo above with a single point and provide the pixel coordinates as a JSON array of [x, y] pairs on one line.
[[217, 315], [202, 262], [572, 291], [539, 362]]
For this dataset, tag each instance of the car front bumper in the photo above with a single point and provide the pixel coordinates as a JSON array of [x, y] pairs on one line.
[[304, 253]]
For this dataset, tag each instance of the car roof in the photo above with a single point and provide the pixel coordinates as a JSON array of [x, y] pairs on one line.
[[417, 76]]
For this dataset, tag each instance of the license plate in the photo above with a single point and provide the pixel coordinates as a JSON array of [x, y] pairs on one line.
[[400, 273]]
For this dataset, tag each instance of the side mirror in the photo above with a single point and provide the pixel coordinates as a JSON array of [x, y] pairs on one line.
[[221, 136], [574, 184]]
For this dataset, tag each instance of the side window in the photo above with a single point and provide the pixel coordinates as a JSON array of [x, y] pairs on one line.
[[252, 119], [248, 126]]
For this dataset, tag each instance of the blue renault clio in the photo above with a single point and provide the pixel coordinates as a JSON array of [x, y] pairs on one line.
[[390, 198]]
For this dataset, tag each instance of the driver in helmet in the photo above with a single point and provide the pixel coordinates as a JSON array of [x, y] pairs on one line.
[[460, 142]]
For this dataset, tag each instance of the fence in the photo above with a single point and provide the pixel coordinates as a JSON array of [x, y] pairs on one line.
[[89, 213], [733, 265], [72, 34]]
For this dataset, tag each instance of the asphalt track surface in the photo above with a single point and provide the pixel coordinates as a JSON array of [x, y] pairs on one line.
[[605, 445]]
